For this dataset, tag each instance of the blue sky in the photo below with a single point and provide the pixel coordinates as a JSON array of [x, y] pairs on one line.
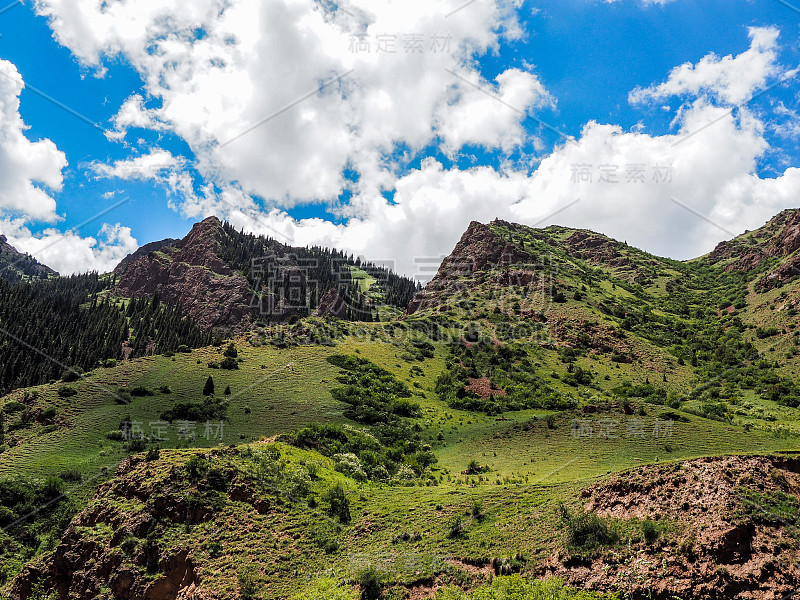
[[571, 61]]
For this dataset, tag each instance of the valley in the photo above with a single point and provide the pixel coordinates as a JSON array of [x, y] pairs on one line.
[[555, 413]]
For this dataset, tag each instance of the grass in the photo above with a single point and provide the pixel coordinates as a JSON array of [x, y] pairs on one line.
[[537, 460]]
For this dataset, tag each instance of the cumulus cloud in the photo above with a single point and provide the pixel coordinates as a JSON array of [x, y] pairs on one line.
[[68, 252], [30, 171], [278, 98], [379, 67], [635, 186], [730, 79], [27, 169]]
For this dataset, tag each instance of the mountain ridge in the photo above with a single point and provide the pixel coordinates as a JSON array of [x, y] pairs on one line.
[[17, 266]]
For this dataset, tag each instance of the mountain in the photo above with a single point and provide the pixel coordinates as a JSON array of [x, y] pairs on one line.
[[191, 273], [16, 266], [228, 280], [556, 414], [141, 253]]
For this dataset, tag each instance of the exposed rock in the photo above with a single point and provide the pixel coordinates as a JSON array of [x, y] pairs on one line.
[[332, 305], [120, 269], [478, 249], [779, 238], [191, 273], [722, 546]]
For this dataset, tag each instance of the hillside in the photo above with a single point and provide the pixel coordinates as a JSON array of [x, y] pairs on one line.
[[229, 280], [556, 412], [16, 266]]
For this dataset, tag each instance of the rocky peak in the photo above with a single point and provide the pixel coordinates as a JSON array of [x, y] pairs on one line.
[[142, 251], [779, 238], [480, 248], [191, 273]]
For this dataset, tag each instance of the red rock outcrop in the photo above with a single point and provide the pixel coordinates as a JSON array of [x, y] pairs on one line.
[[191, 273]]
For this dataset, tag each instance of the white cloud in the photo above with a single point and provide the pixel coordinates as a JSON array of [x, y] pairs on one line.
[[708, 164], [730, 79], [27, 168], [69, 253], [146, 166], [255, 58], [29, 172]]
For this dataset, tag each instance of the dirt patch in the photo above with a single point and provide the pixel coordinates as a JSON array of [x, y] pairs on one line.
[[728, 533], [482, 387]]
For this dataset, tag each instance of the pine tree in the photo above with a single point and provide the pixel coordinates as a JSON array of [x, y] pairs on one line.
[[208, 389]]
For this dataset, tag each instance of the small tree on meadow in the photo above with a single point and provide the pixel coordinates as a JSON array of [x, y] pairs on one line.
[[208, 389]]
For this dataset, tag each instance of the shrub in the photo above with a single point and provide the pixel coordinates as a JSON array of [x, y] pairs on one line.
[[71, 476], [66, 391], [231, 351], [456, 528], [350, 465], [338, 503], [13, 406], [369, 580], [208, 388], [141, 391], [165, 389], [247, 583], [71, 375], [229, 363], [586, 532], [650, 531]]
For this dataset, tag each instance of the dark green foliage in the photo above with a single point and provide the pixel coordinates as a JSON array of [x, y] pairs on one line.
[[248, 588], [327, 269], [371, 584], [208, 388], [374, 394], [377, 398], [83, 328], [338, 503], [456, 528], [229, 363], [475, 468], [31, 513], [509, 368], [586, 532], [378, 459], [66, 391], [231, 351], [210, 409], [650, 531], [766, 332], [141, 391], [71, 375]]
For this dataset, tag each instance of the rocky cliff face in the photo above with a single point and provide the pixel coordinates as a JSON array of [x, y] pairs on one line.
[[730, 543], [776, 242], [120, 269], [191, 273], [479, 248]]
